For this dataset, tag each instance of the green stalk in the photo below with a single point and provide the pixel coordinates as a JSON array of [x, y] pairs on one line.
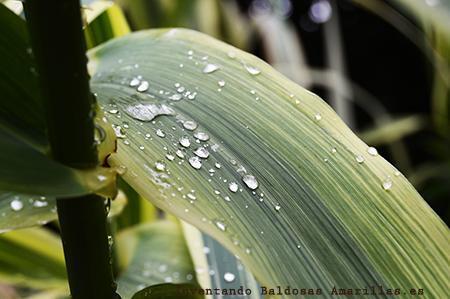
[[59, 48]]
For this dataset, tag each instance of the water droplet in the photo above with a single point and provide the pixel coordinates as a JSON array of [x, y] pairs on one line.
[[160, 166], [40, 203], [201, 152], [176, 97], [209, 68], [333, 150], [16, 205], [118, 132], [170, 156], [184, 141], [387, 184], [180, 154], [233, 186], [190, 125], [372, 151], [359, 159], [252, 70], [227, 198], [220, 225], [231, 54], [160, 133], [192, 96], [190, 52], [317, 116], [134, 82], [229, 277], [195, 162], [217, 165], [397, 173], [201, 136], [250, 181], [141, 147], [191, 196], [221, 83], [148, 112], [110, 241], [113, 111], [277, 208], [143, 86]]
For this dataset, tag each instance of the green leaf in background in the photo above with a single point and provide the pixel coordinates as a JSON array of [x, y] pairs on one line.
[[25, 169], [104, 20], [218, 138], [22, 210], [153, 253], [32, 258], [169, 291], [213, 263]]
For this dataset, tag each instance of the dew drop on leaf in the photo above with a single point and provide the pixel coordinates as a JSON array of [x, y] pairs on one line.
[[250, 181], [16, 205], [184, 141], [195, 162], [233, 186], [148, 112], [190, 125], [317, 116], [160, 133], [170, 157], [143, 86], [252, 70], [210, 67], [221, 83], [387, 184], [372, 151], [229, 277], [160, 166], [40, 203], [359, 159], [134, 82], [201, 152], [201, 136], [180, 154], [220, 225]]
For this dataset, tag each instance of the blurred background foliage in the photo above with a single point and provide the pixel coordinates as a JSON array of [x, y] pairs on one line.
[[383, 65]]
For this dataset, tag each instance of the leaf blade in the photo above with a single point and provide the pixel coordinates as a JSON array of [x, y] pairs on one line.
[[322, 211]]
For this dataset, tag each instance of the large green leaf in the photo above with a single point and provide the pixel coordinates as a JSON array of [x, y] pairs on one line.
[[327, 210], [153, 253]]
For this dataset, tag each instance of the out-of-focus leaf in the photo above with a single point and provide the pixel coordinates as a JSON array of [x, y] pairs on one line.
[[152, 253], [393, 130], [105, 20], [21, 108], [170, 291], [32, 258], [21, 210], [25, 169], [213, 263], [314, 205]]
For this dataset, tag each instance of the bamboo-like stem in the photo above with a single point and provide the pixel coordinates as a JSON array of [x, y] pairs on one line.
[[58, 45]]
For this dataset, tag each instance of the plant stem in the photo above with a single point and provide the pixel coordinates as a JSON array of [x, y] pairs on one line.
[[59, 48]]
